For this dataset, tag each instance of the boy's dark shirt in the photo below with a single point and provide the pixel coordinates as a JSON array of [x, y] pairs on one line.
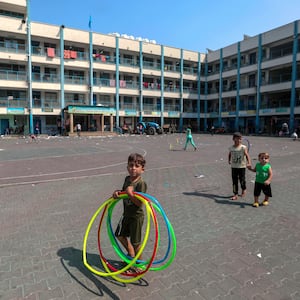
[[130, 209]]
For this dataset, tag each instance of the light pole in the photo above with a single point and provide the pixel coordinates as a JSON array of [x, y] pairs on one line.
[[29, 66]]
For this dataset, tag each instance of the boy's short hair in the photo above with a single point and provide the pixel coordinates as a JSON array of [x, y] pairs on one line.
[[237, 134], [265, 154], [137, 158]]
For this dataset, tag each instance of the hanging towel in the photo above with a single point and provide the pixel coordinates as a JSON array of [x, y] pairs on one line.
[[73, 54], [50, 52], [67, 54], [122, 83]]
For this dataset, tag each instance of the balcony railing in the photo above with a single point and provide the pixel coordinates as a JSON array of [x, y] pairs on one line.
[[151, 65], [75, 80], [12, 47], [171, 107], [74, 102], [13, 75], [45, 77], [171, 89], [190, 90], [127, 106], [13, 102], [190, 70], [128, 62]]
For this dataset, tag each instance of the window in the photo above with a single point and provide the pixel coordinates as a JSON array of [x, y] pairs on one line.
[[128, 103], [252, 80], [35, 46], [252, 58], [11, 14], [233, 85], [234, 62]]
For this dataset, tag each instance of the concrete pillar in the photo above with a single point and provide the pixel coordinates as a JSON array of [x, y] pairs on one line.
[[71, 123], [102, 123], [111, 122]]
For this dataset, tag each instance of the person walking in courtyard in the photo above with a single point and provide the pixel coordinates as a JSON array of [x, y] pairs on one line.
[[37, 129], [189, 139], [263, 178], [239, 159], [78, 129], [130, 233]]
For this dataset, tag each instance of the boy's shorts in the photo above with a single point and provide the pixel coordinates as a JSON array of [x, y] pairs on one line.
[[132, 228], [258, 187]]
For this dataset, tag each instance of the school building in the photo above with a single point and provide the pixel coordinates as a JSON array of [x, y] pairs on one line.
[[53, 77]]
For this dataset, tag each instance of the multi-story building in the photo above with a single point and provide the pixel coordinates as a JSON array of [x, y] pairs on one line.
[[254, 85], [54, 77]]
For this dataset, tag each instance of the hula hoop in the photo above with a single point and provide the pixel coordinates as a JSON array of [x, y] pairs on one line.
[[171, 237], [107, 273], [115, 243], [248, 144], [152, 205], [108, 267], [121, 253]]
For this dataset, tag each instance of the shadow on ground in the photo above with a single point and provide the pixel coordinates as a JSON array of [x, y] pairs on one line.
[[218, 198], [72, 257]]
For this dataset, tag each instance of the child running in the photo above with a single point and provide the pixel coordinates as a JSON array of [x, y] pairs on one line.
[[189, 139], [239, 159], [263, 178], [130, 234]]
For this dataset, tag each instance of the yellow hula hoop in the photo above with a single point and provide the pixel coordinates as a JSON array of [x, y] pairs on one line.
[[105, 205], [137, 277]]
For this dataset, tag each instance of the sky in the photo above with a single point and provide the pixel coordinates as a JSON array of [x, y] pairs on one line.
[[191, 24]]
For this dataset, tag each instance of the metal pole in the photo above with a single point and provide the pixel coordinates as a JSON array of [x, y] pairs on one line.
[[181, 92], [198, 91], [62, 78], [258, 96], [162, 80], [294, 78], [91, 67], [141, 108], [117, 83], [220, 89], [29, 67]]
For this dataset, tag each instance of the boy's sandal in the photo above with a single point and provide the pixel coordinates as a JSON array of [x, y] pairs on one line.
[[129, 271], [265, 203], [134, 270], [255, 204], [234, 197]]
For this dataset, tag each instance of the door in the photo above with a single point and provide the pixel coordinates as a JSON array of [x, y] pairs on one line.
[[4, 125]]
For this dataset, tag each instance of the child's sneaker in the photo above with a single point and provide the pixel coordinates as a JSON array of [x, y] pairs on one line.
[[265, 203], [255, 204]]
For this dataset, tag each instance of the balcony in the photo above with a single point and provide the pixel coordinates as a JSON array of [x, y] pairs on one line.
[[45, 78], [73, 79], [171, 108], [12, 47], [13, 75], [13, 102]]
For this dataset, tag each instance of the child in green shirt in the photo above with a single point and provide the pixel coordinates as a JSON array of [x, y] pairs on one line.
[[263, 178], [189, 139]]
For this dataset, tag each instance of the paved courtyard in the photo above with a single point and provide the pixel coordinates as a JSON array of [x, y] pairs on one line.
[[225, 249]]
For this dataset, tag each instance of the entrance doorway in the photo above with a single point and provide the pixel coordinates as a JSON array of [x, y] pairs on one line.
[[4, 126]]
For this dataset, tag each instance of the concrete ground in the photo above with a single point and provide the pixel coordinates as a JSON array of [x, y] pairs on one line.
[[226, 249]]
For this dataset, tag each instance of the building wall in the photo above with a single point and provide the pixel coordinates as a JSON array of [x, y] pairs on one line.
[[228, 87]]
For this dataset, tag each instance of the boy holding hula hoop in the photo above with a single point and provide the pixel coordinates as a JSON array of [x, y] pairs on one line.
[[130, 233]]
